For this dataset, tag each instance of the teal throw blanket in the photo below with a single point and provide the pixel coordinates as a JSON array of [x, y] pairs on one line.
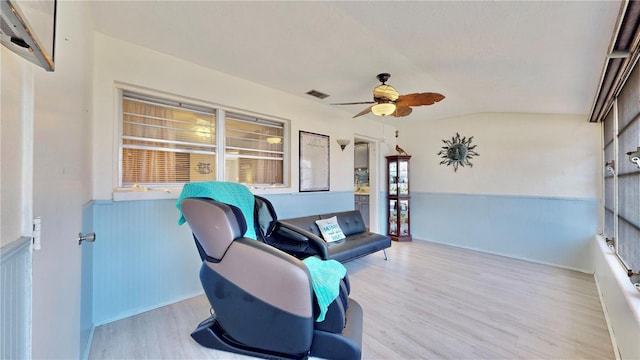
[[227, 192], [325, 280]]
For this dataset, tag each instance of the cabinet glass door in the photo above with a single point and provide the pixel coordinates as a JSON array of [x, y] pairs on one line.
[[393, 217], [398, 198], [393, 178], [403, 177], [404, 217]]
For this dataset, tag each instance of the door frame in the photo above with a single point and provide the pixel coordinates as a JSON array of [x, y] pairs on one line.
[[374, 179]]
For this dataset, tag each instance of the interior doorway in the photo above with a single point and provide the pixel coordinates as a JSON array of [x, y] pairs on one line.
[[365, 180]]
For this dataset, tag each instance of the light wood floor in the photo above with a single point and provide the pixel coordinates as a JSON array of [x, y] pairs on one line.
[[430, 301]]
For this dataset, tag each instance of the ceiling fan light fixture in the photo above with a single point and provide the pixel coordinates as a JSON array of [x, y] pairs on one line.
[[383, 109]]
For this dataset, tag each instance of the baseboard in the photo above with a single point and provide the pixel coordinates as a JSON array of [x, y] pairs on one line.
[[607, 318], [141, 310], [510, 256], [87, 350]]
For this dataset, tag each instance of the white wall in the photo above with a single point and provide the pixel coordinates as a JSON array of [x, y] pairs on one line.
[[16, 203], [519, 154], [532, 193], [119, 61], [16, 146], [62, 184]]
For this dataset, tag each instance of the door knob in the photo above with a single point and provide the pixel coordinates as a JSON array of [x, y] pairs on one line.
[[90, 237]]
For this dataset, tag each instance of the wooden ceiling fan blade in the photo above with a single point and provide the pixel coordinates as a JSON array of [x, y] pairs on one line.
[[363, 112], [355, 103], [402, 110], [419, 99]]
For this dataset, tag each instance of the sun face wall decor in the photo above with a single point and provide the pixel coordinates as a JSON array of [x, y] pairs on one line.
[[458, 152]]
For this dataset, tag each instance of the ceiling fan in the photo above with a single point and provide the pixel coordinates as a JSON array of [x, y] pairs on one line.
[[387, 101]]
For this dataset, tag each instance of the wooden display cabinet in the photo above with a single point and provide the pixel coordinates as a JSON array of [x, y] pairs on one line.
[[398, 195]]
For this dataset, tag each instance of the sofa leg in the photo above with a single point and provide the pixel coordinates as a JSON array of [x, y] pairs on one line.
[[385, 254]]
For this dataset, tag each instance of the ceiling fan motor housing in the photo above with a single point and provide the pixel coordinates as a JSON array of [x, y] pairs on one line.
[[385, 93]]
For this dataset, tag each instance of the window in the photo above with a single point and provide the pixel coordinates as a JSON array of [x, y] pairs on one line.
[[168, 143], [254, 150], [621, 135], [165, 143]]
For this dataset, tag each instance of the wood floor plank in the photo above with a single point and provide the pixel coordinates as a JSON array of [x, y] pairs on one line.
[[430, 301]]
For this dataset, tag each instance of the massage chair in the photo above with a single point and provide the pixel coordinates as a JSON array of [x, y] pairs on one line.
[[262, 299]]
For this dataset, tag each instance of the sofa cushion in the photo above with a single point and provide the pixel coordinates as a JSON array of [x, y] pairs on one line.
[[357, 245]]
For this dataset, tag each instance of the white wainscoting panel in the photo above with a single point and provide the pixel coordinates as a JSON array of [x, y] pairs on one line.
[[15, 310]]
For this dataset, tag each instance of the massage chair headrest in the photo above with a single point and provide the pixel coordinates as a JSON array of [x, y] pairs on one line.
[[214, 224]]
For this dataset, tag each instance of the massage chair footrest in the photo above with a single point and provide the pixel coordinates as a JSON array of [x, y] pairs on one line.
[[209, 334], [348, 344]]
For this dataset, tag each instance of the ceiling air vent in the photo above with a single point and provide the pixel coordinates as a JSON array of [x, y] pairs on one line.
[[318, 94]]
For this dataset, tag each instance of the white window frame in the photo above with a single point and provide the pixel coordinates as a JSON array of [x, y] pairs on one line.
[[616, 196], [172, 191], [262, 121]]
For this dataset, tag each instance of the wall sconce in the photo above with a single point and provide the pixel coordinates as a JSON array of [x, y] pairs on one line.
[[611, 166], [343, 143], [634, 156], [274, 140]]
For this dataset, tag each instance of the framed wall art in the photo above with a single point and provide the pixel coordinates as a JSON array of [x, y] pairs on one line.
[[314, 162]]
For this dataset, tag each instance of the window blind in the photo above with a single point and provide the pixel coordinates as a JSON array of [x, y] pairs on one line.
[[165, 143]]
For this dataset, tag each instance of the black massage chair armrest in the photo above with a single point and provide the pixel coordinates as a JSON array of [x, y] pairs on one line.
[[304, 242], [291, 234]]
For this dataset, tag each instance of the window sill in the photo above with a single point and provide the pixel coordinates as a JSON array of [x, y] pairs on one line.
[[620, 300], [632, 295], [124, 194], [129, 194]]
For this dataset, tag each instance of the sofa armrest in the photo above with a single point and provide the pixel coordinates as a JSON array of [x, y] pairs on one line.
[[296, 234]]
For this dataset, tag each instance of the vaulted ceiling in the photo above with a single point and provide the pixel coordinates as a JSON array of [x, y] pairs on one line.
[[484, 56]]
